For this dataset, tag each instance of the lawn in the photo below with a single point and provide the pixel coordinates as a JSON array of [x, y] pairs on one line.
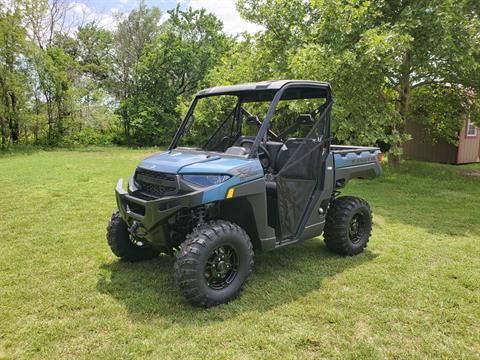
[[415, 291]]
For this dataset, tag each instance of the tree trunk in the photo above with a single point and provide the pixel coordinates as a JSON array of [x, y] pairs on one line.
[[394, 160], [25, 134], [3, 119], [36, 127], [126, 126], [13, 123], [49, 118], [35, 132], [4, 133], [403, 90]]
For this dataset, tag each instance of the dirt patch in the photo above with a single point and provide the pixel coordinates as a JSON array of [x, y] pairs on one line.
[[472, 174]]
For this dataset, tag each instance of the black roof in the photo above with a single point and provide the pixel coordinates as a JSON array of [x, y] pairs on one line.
[[263, 90]]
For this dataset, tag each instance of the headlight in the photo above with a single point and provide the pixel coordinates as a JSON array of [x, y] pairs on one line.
[[206, 180]]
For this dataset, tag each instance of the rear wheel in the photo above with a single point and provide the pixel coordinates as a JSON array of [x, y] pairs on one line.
[[123, 244], [214, 263], [348, 226]]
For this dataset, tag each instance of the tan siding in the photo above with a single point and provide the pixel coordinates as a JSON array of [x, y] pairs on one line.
[[469, 147], [421, 147]]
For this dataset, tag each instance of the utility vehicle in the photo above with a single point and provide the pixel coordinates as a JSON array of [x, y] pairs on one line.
[[230, 184]]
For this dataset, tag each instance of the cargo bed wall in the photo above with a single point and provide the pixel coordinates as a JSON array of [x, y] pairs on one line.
[[352, 162]]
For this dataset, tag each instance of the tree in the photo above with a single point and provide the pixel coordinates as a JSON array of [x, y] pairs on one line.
[[12, 78], [133, 34], [52, 68], [190, 45], [376, 53], [171, 69], [91, 51], [53, 73], [62, 82], [287, 23], [442, 110], [45, 19], [91, 48], [244, 61]]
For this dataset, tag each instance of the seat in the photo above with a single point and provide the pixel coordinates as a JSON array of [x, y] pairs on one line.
[[285, 152], [236, 150], [273, 148], [241, 138]]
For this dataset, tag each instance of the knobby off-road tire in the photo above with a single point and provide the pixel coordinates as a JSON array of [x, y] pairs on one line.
[[120, 243], [214, 263], [348, 225]]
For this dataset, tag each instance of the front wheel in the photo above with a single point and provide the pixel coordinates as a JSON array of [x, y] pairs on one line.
[[214, 263], [123, 244], [348, 226]]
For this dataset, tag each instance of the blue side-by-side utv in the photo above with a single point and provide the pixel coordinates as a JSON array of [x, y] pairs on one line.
[[231, 184]]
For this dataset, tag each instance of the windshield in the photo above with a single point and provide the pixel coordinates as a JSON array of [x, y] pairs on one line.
[[213, 125], [221, 121], [285, 120]]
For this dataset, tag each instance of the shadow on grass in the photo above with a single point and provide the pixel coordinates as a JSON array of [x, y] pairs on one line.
[[148, 291]]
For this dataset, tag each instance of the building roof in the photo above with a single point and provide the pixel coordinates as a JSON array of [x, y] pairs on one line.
[[268, 86]]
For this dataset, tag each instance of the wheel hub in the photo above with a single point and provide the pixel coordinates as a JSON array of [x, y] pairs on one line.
[[355, 231], [221, 267]]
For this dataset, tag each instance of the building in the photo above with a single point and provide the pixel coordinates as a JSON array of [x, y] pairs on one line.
[[421, 147]]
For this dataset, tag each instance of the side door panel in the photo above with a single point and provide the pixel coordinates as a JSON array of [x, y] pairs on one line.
[[316, 221]]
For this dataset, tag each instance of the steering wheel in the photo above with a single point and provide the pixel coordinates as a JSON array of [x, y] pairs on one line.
[[263, 153], [224, 143]]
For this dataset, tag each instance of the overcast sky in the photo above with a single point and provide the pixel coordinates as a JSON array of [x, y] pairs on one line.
[[103, 11]]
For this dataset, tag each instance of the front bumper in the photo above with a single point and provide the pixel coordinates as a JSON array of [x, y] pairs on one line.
[[153, 214]]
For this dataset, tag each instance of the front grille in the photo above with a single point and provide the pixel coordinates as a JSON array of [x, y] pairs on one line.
[[158, 190], [156, 183]]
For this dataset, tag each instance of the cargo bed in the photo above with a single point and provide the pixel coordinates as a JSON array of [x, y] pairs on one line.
[[352, 162]]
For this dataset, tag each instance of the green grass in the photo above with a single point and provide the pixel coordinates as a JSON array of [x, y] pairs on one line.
[[414, 293]]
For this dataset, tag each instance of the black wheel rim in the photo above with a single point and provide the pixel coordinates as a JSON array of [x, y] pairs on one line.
[[221, 267], [357, 228]]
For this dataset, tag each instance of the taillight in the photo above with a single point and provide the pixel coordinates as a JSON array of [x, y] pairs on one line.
[[379, 157]]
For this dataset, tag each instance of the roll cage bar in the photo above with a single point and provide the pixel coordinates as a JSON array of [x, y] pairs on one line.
[[265, 126]]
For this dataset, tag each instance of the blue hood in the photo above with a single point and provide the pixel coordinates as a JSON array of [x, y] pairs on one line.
[[193, 162]]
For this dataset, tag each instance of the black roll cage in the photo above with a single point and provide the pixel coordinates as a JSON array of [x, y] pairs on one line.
[[294, 84]]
